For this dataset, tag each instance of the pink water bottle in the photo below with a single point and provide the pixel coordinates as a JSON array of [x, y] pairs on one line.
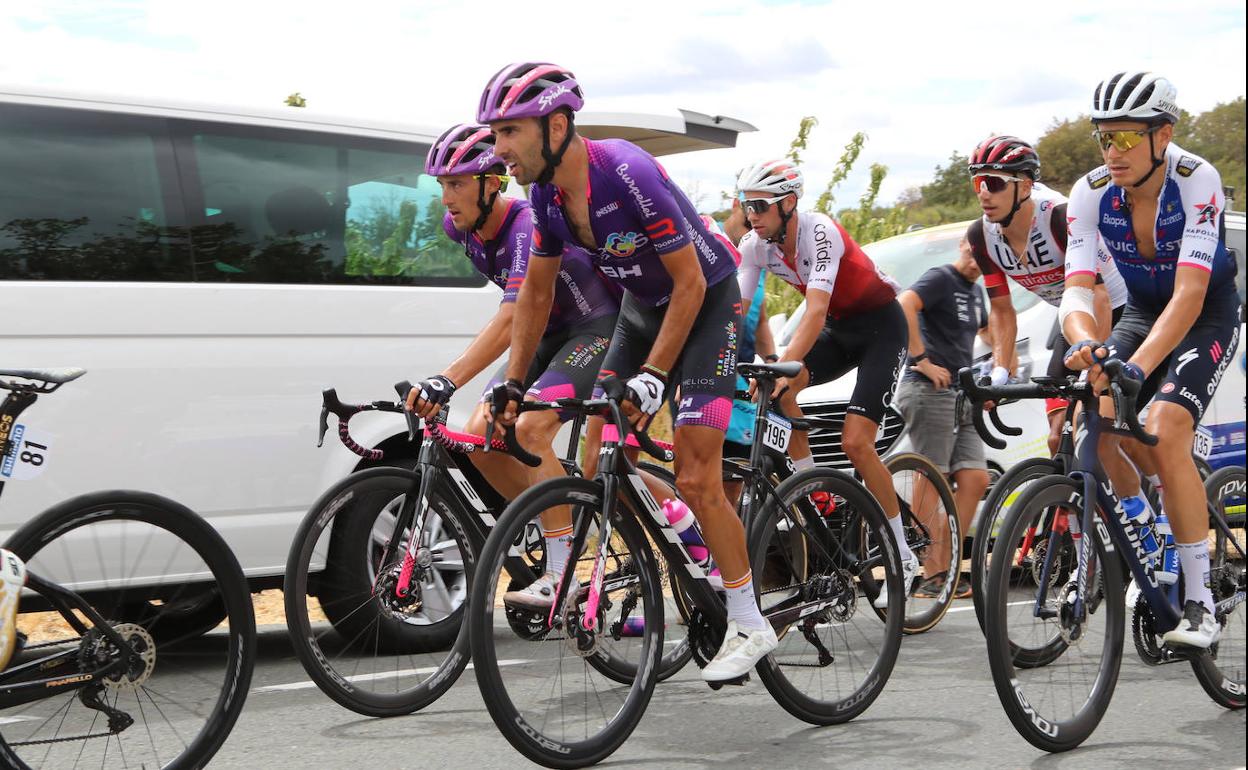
[[683, 521]]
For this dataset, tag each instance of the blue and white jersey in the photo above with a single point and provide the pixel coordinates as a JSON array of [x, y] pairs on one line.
[[1189, 230]]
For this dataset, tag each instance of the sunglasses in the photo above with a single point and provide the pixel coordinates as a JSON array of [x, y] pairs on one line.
[[503, 179], [759, 206], [995, 183], [1121, 140]]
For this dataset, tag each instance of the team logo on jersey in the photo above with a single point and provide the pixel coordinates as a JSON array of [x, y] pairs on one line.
[[1099, 178], [1168, 387], [1208, 211], [1116, 202], [624, 244], [1186, 165], [1186, 358]]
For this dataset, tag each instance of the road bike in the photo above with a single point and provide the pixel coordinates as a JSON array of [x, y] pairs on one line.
[[113, 666], [1057, 687], [553, 695]]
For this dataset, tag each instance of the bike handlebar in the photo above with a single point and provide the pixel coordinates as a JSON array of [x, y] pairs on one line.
[[1124, 390], [330, 404], [614, 392]]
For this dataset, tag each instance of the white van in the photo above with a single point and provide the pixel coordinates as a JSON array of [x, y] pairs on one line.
[[906, 257], [214, 270]]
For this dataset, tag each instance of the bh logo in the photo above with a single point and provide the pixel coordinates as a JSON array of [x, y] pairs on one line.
[[624, 244]]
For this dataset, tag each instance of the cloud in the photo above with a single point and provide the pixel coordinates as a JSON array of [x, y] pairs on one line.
[[922, 83]]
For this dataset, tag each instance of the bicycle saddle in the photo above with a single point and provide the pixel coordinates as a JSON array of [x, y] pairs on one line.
[[57, 376]]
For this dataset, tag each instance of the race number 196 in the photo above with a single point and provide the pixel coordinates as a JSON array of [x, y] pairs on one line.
[[27, 456]]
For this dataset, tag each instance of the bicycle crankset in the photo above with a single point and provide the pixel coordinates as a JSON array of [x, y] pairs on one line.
[[704, 639]]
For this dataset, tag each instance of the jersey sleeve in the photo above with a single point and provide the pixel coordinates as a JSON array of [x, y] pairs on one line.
[[648, 191], [519, 242], [1082, 217], [994, 278], [826, 260], [751, 265], [545, 243], [930, 287], [1205, 203]]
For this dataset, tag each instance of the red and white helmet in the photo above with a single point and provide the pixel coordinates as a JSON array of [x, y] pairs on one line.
[[776, 177], [1004, 153]]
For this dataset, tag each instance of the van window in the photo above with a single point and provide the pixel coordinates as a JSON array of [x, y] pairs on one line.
[[296, 207], [81, 200]]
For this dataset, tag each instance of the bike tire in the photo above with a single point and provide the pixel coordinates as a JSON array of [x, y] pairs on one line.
[[1220, 669], [833, 550], [57, 545], [1037, 723], [923, 615], [1004, 493], [539, 739], [367, 652]]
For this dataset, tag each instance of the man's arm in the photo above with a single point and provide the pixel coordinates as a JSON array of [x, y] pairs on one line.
[[1003, 330], [810, 326], [764, 341], [912, 304], [490, 343], [688, 291], [537, 294]]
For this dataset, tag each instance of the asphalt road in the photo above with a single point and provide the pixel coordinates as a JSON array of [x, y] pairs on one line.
[[938, 710]]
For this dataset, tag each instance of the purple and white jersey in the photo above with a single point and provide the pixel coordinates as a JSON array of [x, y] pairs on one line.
[[636, 214], [581, 293]]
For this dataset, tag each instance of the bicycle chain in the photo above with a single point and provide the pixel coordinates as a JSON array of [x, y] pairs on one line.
[[45, 741]]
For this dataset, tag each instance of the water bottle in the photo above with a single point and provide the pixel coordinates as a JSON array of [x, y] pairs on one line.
[[1169, 572], [1141, 515], [683, 521]]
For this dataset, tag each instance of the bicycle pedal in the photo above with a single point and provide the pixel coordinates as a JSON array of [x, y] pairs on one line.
[[739, 681]]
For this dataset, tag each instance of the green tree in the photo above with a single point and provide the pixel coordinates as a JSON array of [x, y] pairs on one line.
[[951, 187], [849, 156], [1067, 152], [799, 142], [296, 100], [1218, 136]]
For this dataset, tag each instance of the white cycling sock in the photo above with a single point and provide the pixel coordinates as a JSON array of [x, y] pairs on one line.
[[902, 548], [742, 606], [558, 550], [1194, 563], [804, 463]]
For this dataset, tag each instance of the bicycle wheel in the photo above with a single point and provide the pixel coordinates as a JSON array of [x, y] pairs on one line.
[[1000, 501], [368, 649], [1220, 670], [557, 695], [835, 656], [930, 521], [676, 606], [116, 549], [1057, 705]]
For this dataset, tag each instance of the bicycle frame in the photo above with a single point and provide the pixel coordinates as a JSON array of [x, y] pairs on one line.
[[13, 690]]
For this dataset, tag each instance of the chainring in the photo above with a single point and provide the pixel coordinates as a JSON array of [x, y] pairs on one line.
[[1144, 634], [704, 639]]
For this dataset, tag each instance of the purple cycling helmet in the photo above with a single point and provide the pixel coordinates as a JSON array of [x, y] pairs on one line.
[[463, 149], [529, 90], [468, 149]]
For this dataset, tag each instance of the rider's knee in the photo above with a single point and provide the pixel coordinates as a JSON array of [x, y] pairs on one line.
[[537, 429], [859, 446], [697, 487], [1173, 426]]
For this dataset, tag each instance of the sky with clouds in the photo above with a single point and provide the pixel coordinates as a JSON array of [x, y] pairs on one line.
[[921, 79]]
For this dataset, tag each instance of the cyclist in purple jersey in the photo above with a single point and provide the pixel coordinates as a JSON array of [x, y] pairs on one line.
[[497, 234], [679, 316], [1159, 213]]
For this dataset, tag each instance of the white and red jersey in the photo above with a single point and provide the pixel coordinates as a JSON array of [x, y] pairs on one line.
[[1042, 268], [827, 259]]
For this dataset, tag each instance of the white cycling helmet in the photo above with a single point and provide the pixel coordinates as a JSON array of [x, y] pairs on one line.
[[777, 177], [1135, 96]]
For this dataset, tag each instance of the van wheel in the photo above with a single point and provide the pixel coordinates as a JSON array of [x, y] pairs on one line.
[[360, 532], [187, 618]]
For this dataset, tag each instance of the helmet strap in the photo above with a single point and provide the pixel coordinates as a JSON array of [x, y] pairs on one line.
[[785, 216], [484, 205], [1157, 163], [553, 159], [1014, 209]]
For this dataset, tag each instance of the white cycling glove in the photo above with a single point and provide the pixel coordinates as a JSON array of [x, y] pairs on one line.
[[999, 376], [646, 391]]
